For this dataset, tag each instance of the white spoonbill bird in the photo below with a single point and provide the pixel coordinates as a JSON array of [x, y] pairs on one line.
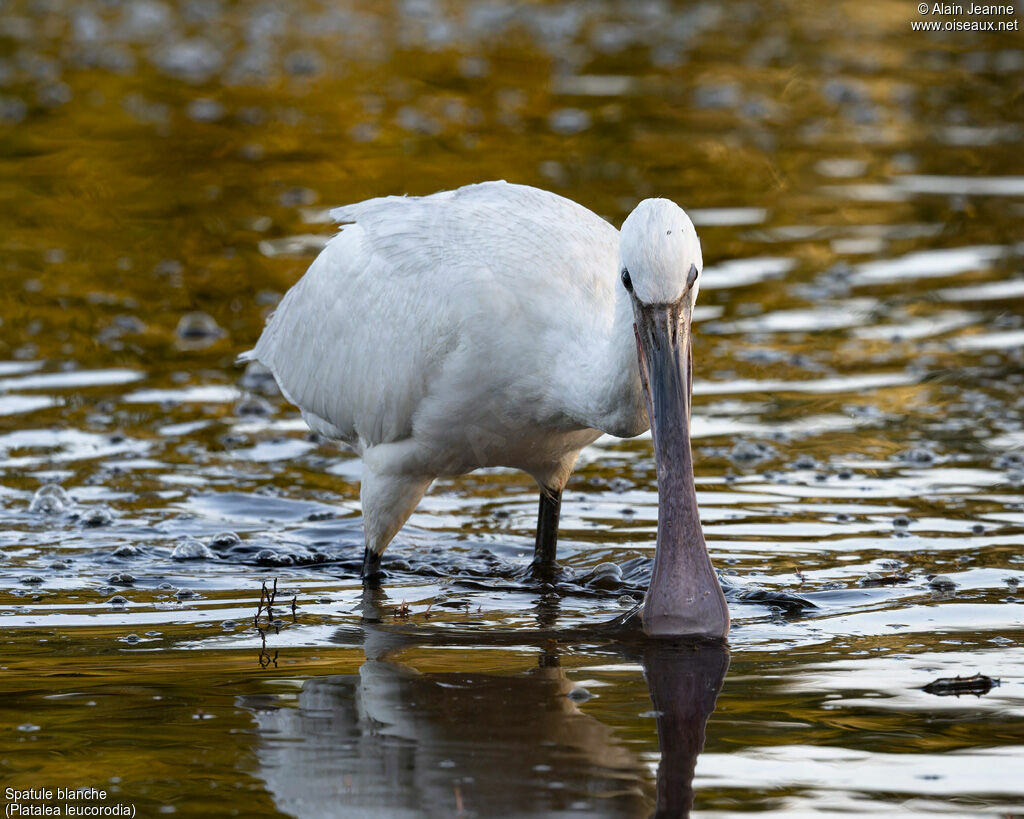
[[503, 325]]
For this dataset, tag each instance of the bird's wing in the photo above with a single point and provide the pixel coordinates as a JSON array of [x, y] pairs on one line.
[[362, 338]]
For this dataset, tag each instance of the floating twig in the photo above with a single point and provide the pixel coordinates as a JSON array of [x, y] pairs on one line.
[[976, 684], [266, 605]]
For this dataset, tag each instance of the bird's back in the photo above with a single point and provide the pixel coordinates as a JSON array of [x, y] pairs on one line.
[[422, 307]]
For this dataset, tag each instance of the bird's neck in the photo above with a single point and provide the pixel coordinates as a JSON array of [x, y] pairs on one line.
[[615, 401]]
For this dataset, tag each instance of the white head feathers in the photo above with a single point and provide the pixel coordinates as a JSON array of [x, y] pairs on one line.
[[658, 244]]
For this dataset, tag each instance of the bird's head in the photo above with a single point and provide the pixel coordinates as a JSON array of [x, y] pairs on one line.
[[660, 253], [660, 267]]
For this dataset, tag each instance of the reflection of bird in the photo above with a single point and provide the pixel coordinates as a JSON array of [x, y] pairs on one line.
[[502, 325], [393, 741]]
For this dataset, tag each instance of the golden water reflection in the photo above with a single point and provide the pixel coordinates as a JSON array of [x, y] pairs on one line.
[[165, 168]]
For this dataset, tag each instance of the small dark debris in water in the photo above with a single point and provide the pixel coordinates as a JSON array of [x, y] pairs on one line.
[[901, 521], [873, 580], [59, 565], [258, 378], [1009, 460], [452, 604], [321, 514], [842, 517], [977, 684], [229, 625], [786, 603], [402, 611], [845, 474], [940, 582], [126, 551], [121, 579], [749, 452], [978, 529], [51, 499], [804, 462], [130, 638], [252, 406], [918, 455], [619, 485]]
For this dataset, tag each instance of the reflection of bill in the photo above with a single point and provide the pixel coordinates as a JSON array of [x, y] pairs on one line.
[[684, 685], [390, 741]]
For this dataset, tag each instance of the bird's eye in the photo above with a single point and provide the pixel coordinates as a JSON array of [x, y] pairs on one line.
[[626, 281], [691, 276]]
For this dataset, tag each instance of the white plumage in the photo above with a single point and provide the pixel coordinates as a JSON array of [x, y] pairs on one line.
[[470, 328], [502, 325]]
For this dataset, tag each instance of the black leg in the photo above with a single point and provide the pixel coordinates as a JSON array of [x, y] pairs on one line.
[[371, 567], [547, 528]]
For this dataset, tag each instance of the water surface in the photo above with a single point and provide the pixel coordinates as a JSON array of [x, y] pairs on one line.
[[858, 416]]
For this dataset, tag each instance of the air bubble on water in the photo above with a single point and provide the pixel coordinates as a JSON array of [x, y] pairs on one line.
[[224, 540], [188, 548], [96, 517], [579, 694], [51, 499], [197, 330], [941, 583], [603, 576]]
